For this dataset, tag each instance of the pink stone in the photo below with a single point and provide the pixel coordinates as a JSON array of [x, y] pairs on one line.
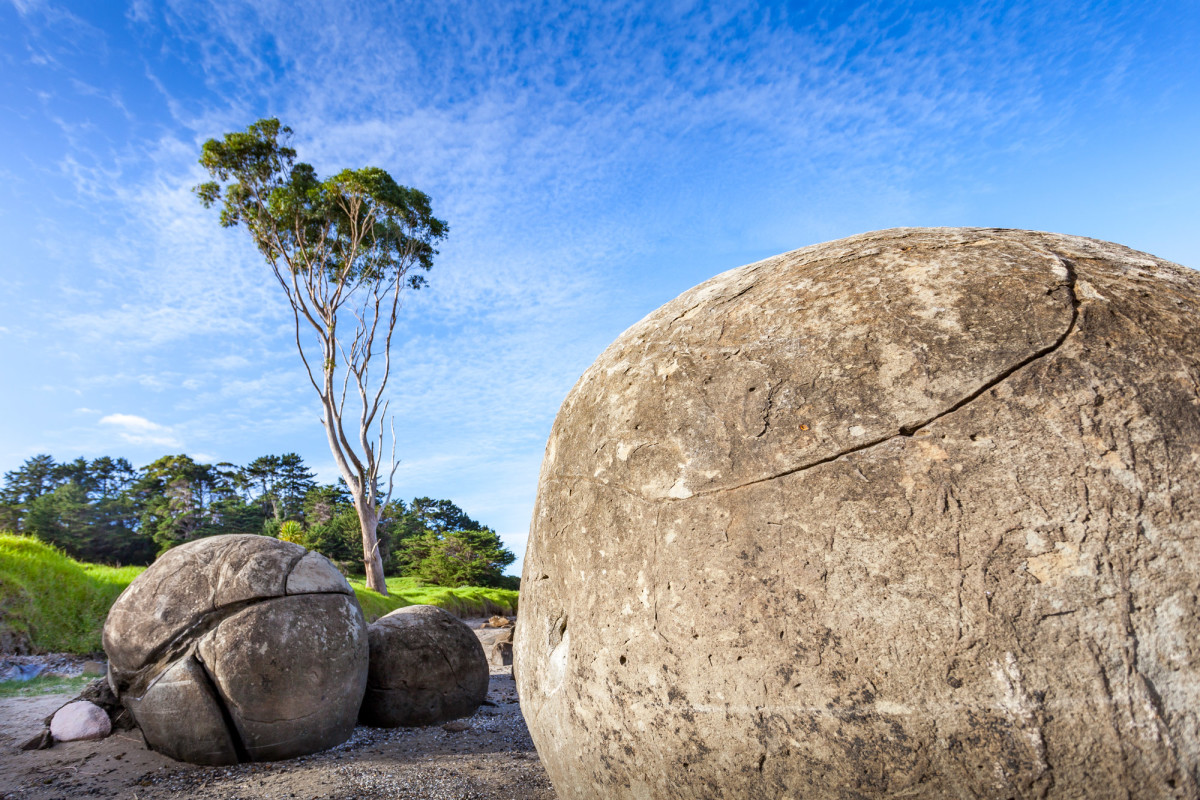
[[80, 720]]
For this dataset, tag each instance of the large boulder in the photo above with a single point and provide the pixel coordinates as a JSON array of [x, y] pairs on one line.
[[239, 648], [427, 667], [910, 514]]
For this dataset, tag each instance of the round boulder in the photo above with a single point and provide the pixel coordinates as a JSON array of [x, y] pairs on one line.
[[239, 648], [80, 721], [910, 514], [427, 666]]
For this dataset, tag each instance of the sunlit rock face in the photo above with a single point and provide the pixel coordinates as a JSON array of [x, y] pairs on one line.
[[910, 514], [239, 648]]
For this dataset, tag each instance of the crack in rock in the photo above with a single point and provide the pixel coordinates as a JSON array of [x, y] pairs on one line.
[[180, 646], [235, 734], [908, 431]]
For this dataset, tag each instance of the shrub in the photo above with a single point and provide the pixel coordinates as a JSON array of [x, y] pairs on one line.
[[292, 531], [457, 558]]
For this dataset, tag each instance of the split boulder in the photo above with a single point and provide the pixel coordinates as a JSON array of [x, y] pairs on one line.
[[238, 648], [910, 514]]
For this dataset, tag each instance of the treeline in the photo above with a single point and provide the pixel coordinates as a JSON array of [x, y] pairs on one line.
[[107, 511]]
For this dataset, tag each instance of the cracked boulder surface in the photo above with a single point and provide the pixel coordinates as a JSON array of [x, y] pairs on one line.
[[239, 648], [427, 666], [910, 514]]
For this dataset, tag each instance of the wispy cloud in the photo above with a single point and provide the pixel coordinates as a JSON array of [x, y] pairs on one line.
[[24, 7], [141, 431], [593, 160]]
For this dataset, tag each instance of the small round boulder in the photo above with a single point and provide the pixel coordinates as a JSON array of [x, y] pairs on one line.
[[239, 648], [427, 666], [910, 514], [80, 721]]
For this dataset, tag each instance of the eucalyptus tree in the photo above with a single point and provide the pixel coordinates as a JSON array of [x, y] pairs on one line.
[[342, 249]]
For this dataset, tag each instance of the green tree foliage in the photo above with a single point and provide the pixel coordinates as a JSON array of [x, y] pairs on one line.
[[332, 523], [295, 482], [106, 511], [182, 500], [83, 507], [406, 522], [458, 558], [280, 484], [35, 477], [437, 541], [342, 249]]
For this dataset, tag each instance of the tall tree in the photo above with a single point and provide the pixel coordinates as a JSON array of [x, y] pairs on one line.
[[80, 506], [182, 500], [112, 476], [295, 481], [264, 473], [342, 250], [37, 476]]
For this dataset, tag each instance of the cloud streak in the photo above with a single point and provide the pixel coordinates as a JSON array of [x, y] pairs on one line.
[[141, 431], [593, 160]]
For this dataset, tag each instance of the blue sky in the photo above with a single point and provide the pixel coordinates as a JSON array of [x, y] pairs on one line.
[[593, 160]]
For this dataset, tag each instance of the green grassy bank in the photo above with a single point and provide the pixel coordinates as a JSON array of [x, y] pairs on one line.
[[463, 601], [51, 602], [55, 604]]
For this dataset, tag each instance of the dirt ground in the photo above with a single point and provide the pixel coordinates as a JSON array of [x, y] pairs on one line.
[[490, 758]]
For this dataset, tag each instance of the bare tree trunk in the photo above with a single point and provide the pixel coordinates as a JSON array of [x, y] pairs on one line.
[[372, 558], [364, 507]]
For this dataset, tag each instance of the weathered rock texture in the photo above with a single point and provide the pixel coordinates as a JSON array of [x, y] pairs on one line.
[[427, 667], [910, 514], [497, 645], [239, 648]]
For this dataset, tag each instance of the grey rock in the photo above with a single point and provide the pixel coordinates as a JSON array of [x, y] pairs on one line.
[[42, 740], [312, 575], [239, 648], [95, 668], [497, 645], [913, 513], [427, 667], [489, 636], [500, 654]]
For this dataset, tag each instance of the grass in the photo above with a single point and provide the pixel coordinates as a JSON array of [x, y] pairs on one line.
[[52, 602], [43, 684], [55, 604], [463, 601]]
